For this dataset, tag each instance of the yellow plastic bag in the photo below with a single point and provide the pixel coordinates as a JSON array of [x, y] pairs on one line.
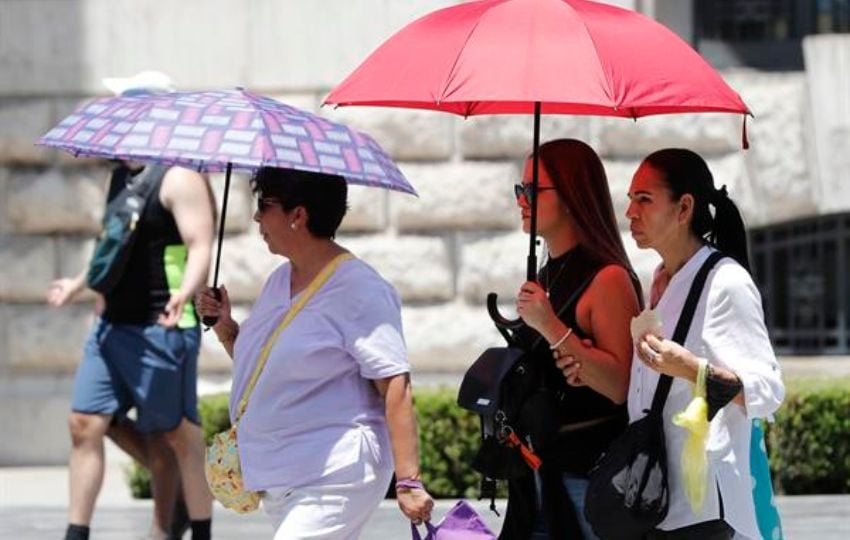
[[694, 460], [224, 474]]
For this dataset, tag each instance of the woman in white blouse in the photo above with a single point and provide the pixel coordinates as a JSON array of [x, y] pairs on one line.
[[672, 196], [331, 415]]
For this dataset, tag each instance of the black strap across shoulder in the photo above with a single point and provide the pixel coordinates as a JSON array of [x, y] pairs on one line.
[[682, 327]]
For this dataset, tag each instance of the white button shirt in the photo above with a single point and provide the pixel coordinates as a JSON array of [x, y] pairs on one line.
[[728, 329]]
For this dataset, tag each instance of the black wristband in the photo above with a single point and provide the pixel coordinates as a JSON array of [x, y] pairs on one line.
[[719, 392]]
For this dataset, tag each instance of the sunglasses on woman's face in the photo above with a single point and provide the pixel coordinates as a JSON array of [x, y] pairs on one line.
[[264, 203], [528, 191]]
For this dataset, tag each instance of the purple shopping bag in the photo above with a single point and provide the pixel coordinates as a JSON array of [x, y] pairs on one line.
[[462, 522]]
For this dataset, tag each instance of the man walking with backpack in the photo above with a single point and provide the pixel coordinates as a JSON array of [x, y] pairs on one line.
[[142, 351]]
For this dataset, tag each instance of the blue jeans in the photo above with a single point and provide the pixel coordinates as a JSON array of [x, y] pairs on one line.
[[576, 491], [576, 488]]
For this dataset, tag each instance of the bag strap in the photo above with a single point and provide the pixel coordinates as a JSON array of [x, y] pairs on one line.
[[683, 326], [143, 186], [308, 293]]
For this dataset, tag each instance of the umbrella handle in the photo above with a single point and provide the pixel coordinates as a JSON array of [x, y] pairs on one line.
[[210, 321], [498, 318]]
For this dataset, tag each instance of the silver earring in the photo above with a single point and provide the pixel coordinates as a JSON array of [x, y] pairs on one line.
[[292, 226]]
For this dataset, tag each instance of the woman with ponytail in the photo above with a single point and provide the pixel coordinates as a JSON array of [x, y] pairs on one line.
[[727, 357]]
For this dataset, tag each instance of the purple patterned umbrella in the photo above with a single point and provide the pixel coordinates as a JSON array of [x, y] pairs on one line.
[[223, 130], [210, 130]]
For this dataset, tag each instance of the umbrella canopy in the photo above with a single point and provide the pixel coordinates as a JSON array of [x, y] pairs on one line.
[[223, 130], [210, 130], [571, 56], [537, 56]]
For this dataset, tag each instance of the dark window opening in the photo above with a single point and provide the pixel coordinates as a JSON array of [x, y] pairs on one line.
[[802, 270], [766, 34]]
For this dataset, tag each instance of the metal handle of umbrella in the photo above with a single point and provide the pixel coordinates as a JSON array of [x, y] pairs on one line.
[[210, 321], [499, 320]]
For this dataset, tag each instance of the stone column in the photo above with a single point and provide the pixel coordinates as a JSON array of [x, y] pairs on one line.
[[827, 58]]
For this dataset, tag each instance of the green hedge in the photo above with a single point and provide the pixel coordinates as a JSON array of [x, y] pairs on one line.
[[809, 442]]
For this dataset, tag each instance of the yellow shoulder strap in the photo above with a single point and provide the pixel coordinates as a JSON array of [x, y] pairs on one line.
[[311, 289]]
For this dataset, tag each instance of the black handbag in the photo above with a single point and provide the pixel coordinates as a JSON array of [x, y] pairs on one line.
[[628, 495]]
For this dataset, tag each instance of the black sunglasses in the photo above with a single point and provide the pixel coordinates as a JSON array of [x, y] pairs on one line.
[[528, 191], [263, 203]]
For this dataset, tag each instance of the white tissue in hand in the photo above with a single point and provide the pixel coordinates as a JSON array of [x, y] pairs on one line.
[[647, 322]]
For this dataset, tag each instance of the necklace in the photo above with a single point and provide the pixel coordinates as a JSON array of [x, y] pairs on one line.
[[547, 286]]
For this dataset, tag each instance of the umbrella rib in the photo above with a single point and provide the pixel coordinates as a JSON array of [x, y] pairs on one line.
[[452, 72], [609, 84]]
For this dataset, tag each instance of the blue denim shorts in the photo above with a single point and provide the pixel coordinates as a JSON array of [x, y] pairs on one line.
[[149, 367]]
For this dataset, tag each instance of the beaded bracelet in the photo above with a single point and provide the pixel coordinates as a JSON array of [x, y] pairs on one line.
[[557, 344], [409, 483]]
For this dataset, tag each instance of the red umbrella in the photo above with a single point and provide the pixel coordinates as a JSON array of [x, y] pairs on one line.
[[538, 56]]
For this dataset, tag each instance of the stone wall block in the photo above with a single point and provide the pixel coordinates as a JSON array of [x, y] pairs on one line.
[[22, 122], [419, 267], [827, 60], [367, 209], [29, 263], [74, 254], [240, 202], [5, 314], [55, 200], [356, 28], [447, 337], [409, 135], [491, 263], [6, 226], [81, 42], [47, 340], [777, 159], [706, 133], [245, 264], [34, 412], [512, 136], [458, 196]]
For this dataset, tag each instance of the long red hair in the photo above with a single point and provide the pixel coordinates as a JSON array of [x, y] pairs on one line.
[[579, 177]]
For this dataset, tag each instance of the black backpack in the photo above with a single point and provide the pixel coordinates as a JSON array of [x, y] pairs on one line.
[[126, 203], [504, 386]]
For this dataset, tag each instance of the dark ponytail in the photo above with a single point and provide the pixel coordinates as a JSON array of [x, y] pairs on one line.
[[684, 172]]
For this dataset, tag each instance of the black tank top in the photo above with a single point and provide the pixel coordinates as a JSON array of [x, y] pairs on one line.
[[157, 255], [565, 276]]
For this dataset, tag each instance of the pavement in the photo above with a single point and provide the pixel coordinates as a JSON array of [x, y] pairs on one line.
[[34, 500]]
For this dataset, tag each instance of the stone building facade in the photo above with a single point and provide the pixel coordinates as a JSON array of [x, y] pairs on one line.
[[443, 251]]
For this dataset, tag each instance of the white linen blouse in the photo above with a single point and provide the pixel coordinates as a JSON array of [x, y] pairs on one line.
[[728, 330], [315, 410]]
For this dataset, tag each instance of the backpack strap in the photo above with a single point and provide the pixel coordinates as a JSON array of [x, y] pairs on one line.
[[683, 326], [148, 179]]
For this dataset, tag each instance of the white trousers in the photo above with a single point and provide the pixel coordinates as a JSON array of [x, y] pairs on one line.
[[333, 511]]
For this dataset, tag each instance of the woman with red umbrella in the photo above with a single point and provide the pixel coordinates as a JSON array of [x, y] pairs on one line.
[[579, 311]]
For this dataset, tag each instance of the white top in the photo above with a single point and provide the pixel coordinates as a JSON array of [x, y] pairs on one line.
[[315, 404], [728, 330]]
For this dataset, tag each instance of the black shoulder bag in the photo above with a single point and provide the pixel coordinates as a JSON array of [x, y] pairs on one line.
[[628, 494]]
